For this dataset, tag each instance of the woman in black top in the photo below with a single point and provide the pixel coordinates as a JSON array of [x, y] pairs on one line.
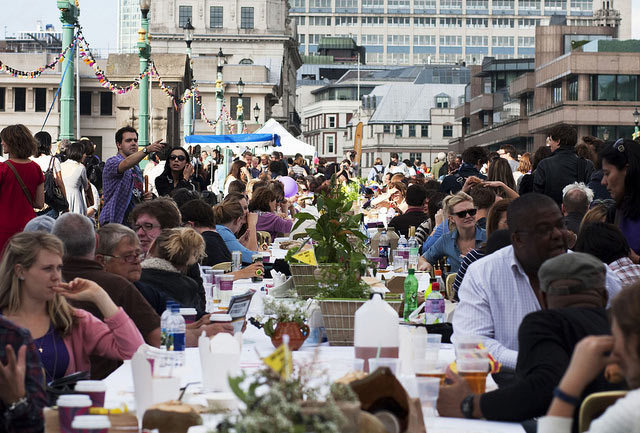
[[177, 172]]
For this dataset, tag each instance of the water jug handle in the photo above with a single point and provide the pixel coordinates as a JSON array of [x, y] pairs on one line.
[[374, 294]]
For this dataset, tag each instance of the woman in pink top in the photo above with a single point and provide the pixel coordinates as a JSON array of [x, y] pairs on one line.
[[33, 296], [263, 201]]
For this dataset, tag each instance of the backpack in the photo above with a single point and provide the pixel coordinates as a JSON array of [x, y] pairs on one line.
[[53, 196], [94, 172], [379, 174]]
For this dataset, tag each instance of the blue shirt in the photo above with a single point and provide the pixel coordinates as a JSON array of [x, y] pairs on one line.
[[234, 244], [447, 246], [437, 233]]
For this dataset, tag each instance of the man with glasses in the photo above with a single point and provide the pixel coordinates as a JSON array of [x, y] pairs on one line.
[[122, 181], [79, 238], [499, 290]]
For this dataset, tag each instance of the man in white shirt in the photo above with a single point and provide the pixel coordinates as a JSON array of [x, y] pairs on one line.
[[500, 289], [396, 166]]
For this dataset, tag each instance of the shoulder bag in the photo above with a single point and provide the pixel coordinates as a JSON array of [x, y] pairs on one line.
[[53, 196], [22, 185]]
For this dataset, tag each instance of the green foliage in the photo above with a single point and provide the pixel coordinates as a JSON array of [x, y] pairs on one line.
[[283, 312]]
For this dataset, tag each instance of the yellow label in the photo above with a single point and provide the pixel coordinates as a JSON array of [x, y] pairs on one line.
[[307, 257], [280, 361]]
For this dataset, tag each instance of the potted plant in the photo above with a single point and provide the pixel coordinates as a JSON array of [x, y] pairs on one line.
[[285, 318]]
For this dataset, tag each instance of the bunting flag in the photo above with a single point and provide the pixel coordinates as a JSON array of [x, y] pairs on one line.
[[280, 361], [308, 257]]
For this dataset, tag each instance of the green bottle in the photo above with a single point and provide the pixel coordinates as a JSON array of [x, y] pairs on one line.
[[410, 294]]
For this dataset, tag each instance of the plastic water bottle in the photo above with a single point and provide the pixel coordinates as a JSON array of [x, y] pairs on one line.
[[383, 250], [414, 248], [410, 294], [164, 324], [434, 306], [402, 242], [441, 284], [177, 328]]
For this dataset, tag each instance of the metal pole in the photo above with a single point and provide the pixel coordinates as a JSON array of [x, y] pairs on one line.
[[69, 13], [78, 133], [240, 116], [144, 52], [187, 109]]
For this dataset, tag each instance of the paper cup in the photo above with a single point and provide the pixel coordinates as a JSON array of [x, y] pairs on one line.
[[70, 406], [91, 424], [95, 389], [189, 314]]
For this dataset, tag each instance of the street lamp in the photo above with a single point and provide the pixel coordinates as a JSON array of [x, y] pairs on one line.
[[144, 52], [69, 13], [636, 119], [256, 112], [220, 60], [239, 108], [188, 35], [189, 106]]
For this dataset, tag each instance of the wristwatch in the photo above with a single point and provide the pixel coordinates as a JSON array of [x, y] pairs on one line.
[[466, 407], [145, 150], [17, 409]]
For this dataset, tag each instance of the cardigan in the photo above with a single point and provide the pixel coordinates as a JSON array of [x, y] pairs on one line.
[[117, 338]]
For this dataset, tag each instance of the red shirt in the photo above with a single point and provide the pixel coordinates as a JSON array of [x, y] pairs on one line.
[[15, 210]]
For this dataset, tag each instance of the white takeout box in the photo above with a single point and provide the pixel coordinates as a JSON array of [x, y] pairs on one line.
[[219, 358]]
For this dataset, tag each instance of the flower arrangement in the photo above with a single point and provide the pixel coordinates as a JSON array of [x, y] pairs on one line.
[[282, 312]]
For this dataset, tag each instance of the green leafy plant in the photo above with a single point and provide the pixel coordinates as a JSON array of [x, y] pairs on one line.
[[282, 312]]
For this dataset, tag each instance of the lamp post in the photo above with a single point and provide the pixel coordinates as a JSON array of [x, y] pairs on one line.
[[69, 13], [636, 120], [256, 112], [188, 107], [239, 109], [144, 52], [219, 94]]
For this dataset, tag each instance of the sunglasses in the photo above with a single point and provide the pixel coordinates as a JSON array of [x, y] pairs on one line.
[[178, 157], [464, 213]]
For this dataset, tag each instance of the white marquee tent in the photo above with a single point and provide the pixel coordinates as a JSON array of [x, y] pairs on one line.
[[289, 144]]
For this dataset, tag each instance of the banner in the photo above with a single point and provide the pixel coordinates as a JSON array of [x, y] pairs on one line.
[[357, 143]]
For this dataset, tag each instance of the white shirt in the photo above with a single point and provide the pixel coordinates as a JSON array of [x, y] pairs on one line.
[[44, 160], [622, 417], [495, 295]]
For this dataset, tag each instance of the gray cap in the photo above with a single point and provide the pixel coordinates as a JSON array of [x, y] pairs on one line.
[[442, 155], [42, 223], [571, 273]]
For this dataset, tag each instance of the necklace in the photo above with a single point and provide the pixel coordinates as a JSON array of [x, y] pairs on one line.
[[41, 342]]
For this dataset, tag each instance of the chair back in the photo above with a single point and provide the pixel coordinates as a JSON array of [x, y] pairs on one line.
[[594, 405], [225, 266], [451, 278], [263, 237]]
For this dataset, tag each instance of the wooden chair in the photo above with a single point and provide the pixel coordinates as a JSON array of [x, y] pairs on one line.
[[263, 237], [594, 405], [449, 285], [300, 236], [225, 266]]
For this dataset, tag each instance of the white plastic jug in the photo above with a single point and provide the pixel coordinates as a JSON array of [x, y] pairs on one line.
[[376, 326]]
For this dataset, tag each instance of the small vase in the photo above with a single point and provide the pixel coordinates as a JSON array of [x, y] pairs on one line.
[[297, 334]]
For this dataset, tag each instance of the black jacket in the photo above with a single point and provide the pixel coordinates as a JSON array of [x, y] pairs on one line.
[[546, 341], [559, 170], [454, 182], [599, 191], [164, 184]]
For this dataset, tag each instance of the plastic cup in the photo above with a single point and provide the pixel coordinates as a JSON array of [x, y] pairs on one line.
[[390, 363], [358, 364], [424, 368], [95, 389], [432, 347], [91, 424], [467, 342], [226, 289], [189, 314], [70, 406], [428, 389]]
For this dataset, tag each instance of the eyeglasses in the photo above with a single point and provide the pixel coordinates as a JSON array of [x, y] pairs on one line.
[[147, 227], [178, 157], [129, 258], [464, 213]]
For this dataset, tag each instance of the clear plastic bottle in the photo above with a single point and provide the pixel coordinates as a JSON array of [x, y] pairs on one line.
[[402, 242], [165, 342], [414, 248], [440, 280], [383, 250], [410, 294], [177, 328], [434, 306]]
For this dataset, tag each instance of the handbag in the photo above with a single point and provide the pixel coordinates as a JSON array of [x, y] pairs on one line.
[[53, 196], [22, 185], [64, 385]]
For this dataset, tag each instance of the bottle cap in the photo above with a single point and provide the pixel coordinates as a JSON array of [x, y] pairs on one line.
[[435, 287], [438, 272], [412, 271]]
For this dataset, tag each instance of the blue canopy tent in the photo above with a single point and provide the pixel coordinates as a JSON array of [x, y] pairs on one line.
[[233, 143]]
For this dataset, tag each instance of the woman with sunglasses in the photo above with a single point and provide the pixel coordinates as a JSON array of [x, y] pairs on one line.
[[177, 172], [621, 177], [463, 238]]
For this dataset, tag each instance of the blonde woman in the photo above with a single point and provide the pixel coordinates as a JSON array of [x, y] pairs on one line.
[[34, 297], [169, 258], [465, 237]]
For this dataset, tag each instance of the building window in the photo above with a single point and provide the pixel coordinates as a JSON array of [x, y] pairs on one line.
[[556, 96], [246, 18], [556, 5], [424, 130], [386, 129], [298, 4], [572, 89], [614, 88], [246, 62], [447, 130], [415, 156], [502, 4], [582, 5], [184, 15], [106, 103], [215, 17], [529, 5], [331, 121], [412, 130], [246, 107], [2, 96], [398, 130], [40, 96], [85, 103], [19, 99], [331, 144], [442, 101]]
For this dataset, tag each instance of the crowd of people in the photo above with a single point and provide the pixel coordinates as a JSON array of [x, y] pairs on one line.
[[541, 245]]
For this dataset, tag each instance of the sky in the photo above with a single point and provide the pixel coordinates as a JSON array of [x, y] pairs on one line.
[[99, 19]]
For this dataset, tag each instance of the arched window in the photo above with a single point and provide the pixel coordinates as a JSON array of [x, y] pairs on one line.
[[246, 62]]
